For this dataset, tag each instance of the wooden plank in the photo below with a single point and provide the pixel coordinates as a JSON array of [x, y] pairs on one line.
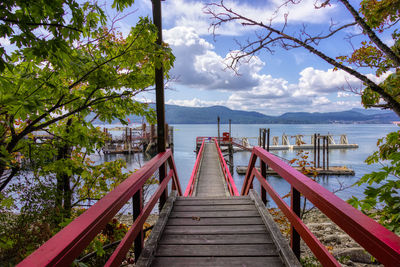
[[206, 202], [215, 221], [218, 261], [216, 239], [210, 179], [147, 254], [212, 198], [217, 250], [214, 208], [215, 229], [281, 244], [214, 214]]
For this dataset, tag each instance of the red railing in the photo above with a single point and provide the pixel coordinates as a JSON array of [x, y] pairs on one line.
[[227, 174], [376, 239], [190, 187], [221, 140], [241, 146], [65, 246]]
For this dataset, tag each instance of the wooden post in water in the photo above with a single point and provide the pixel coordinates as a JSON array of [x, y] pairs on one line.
[[319, 150], [219, 137], [130, 141], [160, 106], [327, 155], [323, 152], [126, 139], [315, 150]]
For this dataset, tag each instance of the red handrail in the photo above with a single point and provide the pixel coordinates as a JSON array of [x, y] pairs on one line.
[[376, 239], [227, 174], [66, 245], [190, 187]]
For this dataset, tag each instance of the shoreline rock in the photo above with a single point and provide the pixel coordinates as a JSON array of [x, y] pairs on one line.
[[340, 244]]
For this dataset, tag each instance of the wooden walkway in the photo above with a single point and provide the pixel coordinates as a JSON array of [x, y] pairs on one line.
[[214, 229], [210, 180]]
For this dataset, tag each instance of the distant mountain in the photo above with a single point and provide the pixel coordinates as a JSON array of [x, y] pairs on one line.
[[207, 115], [190, 115], [371, 111]]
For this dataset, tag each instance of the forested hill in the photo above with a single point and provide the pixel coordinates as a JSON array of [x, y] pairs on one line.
[[207, 115], [191, 115]]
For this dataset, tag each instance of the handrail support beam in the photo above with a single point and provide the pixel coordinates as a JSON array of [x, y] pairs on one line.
[[294, 235], [137, 205]]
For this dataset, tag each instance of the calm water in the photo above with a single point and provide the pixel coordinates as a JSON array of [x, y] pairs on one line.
[[365, 135]]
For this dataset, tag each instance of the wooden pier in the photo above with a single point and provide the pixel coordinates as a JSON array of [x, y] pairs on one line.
[[212, 228], [205, 227], [137, 139]]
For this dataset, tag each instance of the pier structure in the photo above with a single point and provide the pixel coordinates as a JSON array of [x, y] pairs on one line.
[[300, 142], [135, 139], [212, 224]]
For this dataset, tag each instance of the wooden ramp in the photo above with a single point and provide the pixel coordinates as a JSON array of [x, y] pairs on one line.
[[210, 180], [214, 229]]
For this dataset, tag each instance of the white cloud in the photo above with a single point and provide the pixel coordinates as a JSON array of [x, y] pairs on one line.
[[321, 100], [197, 65], [313, 81], [344, 94], [195, 102], [191, 14]]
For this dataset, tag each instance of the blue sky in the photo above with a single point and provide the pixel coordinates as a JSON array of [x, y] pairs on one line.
[[285, 81]]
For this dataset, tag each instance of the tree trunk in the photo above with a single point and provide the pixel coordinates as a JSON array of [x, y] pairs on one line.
[[63, 190]]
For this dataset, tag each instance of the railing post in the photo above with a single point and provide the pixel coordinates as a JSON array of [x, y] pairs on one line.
[[160, 107], [294, 235], [137, 203], [263, 168]]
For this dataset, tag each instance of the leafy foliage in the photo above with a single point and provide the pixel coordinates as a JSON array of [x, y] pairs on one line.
[[68, 62], [380, 13], [382, 199]]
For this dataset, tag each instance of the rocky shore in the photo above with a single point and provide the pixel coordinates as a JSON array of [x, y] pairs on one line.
[[341, 245]]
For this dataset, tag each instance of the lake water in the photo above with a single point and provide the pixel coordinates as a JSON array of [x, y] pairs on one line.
[[365, 135]]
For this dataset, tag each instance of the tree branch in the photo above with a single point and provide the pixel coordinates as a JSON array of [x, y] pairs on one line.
[[40, 24], [371, 34]]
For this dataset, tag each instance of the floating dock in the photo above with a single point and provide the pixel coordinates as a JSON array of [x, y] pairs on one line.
[[333, 170], [286, 142]]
